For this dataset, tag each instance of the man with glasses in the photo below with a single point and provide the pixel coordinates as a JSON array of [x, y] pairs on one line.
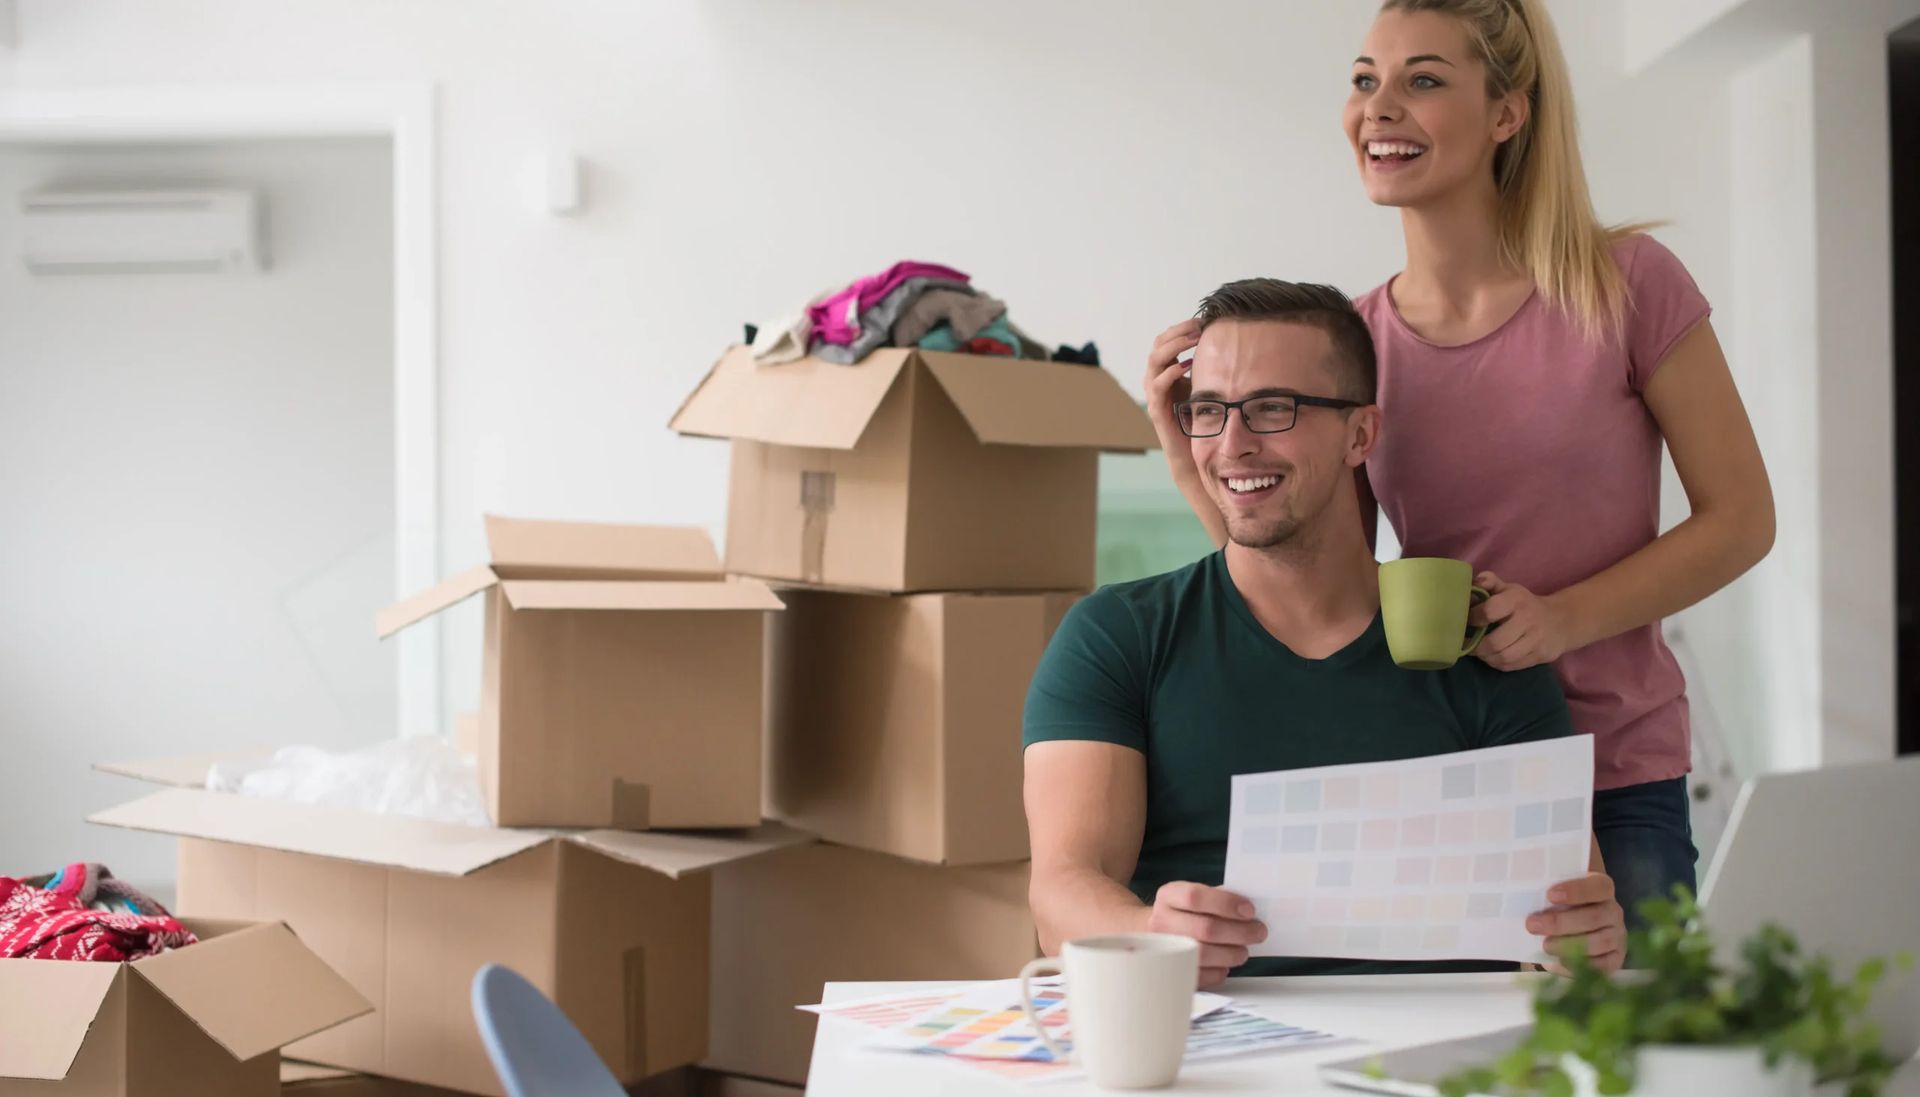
[[1267, 655]]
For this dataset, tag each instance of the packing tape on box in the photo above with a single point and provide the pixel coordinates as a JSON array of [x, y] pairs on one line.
[[632, 806], [633, 987], [816, 500]]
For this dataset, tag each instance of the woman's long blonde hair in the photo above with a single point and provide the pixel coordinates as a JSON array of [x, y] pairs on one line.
[[1547, 223]]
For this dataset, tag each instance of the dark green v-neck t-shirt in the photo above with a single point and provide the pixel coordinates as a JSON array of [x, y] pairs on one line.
[[1176, 667]]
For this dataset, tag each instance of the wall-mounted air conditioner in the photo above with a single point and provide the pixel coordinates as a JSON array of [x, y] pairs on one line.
[[124, 232]]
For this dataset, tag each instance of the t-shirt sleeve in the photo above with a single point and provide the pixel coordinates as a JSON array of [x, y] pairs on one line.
[[1523, 706], [1663, 304], [1091, 682]]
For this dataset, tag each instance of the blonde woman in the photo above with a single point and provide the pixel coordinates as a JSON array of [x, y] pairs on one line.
[[1532, 362]]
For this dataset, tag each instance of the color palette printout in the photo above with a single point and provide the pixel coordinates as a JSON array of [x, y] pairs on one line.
[[986, 1022], [982, 1027], [1437, 858]]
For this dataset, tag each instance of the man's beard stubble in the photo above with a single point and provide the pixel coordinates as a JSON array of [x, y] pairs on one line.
[[1263, 533], [1292, 532]]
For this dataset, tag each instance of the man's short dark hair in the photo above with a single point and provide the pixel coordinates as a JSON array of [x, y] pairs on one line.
[[1307, 303]]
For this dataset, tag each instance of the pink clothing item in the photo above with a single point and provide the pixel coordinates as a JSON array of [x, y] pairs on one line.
[[57, 923], [1530, 453], [837, 318]]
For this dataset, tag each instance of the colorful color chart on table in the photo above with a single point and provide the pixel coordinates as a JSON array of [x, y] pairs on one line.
[[985, 1021], [1427, 858], [1218, 1035], [983, 1033], [985, 1028], [1234, 1031], [887, 1010]]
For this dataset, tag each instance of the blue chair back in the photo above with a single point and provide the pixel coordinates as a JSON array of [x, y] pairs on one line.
[[535, 1050]]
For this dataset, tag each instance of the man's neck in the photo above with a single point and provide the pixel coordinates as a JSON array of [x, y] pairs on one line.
[[1315, 595]]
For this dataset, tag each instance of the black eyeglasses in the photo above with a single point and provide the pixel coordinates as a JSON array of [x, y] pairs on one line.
[[1262, 414]]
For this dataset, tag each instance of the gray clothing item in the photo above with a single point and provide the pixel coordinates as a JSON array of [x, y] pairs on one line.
[[876, 324], [965, 312]]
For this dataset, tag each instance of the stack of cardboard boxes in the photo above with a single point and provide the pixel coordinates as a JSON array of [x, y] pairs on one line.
[[621, 699], [928, 518]]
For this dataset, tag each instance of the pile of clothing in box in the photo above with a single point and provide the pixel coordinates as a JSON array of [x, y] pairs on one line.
[[910, 304], [83, 913]]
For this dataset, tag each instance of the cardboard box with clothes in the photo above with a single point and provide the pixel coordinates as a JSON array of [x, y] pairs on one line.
[[914, 470], [206, 1017]]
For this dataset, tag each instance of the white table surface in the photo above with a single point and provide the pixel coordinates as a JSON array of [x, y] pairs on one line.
[[1381, 1011]]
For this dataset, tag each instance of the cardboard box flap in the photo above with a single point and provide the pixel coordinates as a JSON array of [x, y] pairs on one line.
[[253, 990], [293, 1072], [677, 855], [432, 600], [46, 1012], [549, 594], [447, 849], [1011, 401], [180, 771], [205, 928], [803, 403], [526, 548]]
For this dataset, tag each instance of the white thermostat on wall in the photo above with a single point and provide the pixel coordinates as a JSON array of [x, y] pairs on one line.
[[553, 182], [142, 231]]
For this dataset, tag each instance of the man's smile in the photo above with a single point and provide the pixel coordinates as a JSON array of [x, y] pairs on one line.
[[1251, 487]]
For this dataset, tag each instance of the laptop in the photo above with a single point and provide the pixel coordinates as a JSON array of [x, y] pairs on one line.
[[1827, 853]]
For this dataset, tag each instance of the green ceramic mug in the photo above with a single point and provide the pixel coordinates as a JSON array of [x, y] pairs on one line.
[[1424, 601]]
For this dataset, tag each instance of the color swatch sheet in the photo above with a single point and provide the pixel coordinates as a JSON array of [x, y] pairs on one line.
[[1438, 858], [986, 1022], [981, 1027]]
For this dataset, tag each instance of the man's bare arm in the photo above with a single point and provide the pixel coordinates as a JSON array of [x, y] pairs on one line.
[[1086, 814]]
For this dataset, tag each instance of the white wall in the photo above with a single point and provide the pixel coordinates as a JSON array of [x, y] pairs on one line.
[[1098, 165], [1806, 648], [1855, 376], [1771, 622], [196, 478]]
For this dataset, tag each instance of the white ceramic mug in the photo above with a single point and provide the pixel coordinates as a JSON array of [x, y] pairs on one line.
[[1129, 1005]]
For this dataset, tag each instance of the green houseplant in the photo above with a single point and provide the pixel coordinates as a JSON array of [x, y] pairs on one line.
[[1776, 1018]]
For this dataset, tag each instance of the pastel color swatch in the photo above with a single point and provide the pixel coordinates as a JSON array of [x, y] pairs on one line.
[[1437, 858]]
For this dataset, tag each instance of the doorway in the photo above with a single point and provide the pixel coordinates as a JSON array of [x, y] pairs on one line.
[[1903, 113], [197, 474]]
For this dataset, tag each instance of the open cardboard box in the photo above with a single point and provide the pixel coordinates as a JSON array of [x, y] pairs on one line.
[[893, 721], [622, 676], [201, 1019], [709, 1083], [611, 924], [914, 470], [787, 924], [299, 1079]]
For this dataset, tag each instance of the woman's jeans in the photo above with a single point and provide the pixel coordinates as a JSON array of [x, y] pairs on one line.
[[1646, 837]]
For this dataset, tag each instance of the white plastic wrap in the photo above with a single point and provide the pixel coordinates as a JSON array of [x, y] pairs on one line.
[[422, 776]]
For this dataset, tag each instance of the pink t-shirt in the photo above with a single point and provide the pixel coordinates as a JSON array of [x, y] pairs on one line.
[[1530, 453]]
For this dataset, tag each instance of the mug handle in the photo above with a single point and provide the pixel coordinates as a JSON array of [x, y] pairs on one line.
[[1045, 965], [1480, 633]]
